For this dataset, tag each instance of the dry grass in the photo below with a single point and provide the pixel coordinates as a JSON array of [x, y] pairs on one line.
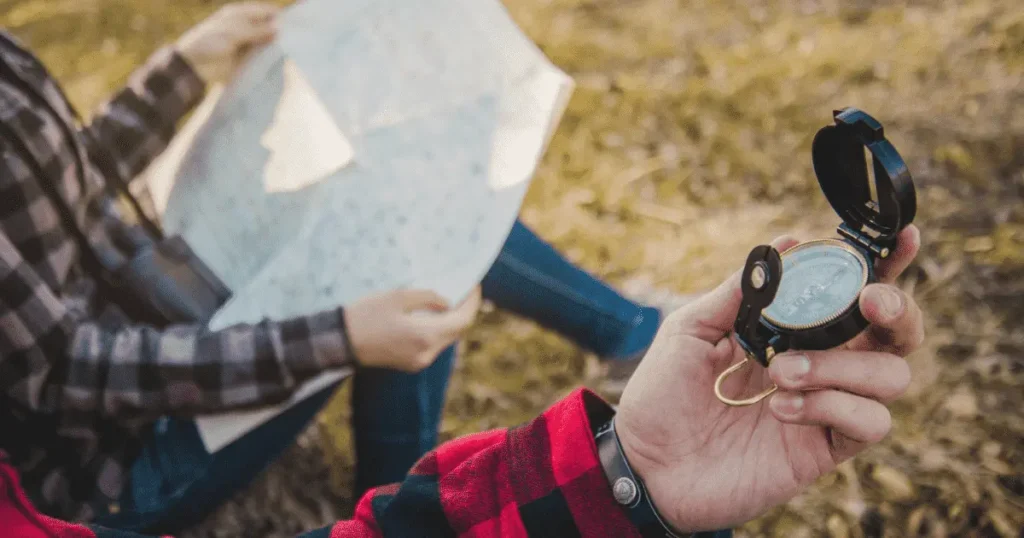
[[686, 143]]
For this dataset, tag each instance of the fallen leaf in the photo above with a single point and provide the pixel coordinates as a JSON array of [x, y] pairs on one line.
[[979, 244], [962, 404], [895, 485], [837, 526], [1002, 524], [915, 520]]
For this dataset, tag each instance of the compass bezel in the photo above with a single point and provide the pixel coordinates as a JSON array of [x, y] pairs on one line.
[[835, 329], [865, 263]]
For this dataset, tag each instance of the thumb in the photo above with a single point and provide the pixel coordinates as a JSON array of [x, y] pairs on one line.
[[250, 33], [713, 315], [451, 323], [421, 300]]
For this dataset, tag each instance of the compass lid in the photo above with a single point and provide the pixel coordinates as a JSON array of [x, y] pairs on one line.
[[879, 210]]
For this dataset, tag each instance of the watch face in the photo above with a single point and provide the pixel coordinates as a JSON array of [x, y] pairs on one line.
[[820, 281]]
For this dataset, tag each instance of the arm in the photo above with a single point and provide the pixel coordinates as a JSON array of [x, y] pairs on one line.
[[137, 123], [539, 479], [542, 478], [53, 359]]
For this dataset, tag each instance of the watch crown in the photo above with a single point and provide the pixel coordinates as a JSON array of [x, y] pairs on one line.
[[624, 491]]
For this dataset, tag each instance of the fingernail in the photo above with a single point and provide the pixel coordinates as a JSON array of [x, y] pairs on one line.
[[788, 404], [793, 367], [891, 302]]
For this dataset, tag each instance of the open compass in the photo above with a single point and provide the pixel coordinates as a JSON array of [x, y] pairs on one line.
[[807, 297]]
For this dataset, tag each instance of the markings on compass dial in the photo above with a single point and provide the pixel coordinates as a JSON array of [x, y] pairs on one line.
[[818, 282]]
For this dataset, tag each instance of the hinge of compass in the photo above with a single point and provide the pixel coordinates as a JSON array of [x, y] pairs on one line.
[[864, 240]]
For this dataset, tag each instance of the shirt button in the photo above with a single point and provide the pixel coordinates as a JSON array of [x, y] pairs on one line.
[[624, 491]]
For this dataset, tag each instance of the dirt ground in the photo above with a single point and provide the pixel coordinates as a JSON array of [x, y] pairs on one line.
[[686, 143]]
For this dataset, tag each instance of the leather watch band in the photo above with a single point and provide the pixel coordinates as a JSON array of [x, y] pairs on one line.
[[628, 489]]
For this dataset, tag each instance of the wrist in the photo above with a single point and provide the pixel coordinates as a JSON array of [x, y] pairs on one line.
[[628, 487], [348, 348], [188, 58]]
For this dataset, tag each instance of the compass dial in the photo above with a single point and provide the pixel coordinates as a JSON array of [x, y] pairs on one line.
[[820, 281]]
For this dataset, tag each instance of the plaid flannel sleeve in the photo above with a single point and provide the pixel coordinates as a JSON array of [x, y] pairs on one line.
[[52, 359], [138, 122], [539, 479]]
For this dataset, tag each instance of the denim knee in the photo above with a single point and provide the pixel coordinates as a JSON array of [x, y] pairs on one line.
[[395, 418]]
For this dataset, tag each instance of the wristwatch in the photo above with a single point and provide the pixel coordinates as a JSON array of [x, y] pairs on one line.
[[628, 489]]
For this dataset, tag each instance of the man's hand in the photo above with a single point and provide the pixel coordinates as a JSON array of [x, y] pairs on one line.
[[217, 47], [711, 466], [406, 330]]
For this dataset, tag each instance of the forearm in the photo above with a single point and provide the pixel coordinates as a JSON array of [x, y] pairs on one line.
[[539, 479], [56, 361], [137, 123], [138, 372], [542, 478]]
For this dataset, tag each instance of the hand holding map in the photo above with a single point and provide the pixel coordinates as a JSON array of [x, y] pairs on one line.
[[377, 145]]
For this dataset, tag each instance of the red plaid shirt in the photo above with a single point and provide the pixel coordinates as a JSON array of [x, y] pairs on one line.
[[539, 479]]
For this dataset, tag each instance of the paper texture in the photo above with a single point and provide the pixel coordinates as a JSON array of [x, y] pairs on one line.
[[377, 144]]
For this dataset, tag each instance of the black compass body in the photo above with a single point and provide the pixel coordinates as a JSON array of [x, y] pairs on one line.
[[812, 303]]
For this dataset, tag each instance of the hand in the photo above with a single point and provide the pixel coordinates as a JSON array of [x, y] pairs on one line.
[[406, 330], [217, 47], [710, 466]]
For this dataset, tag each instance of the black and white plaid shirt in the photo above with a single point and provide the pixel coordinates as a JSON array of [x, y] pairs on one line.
[[81, 381]]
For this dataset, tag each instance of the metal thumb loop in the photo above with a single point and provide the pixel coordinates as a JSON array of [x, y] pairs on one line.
[[739, 403]]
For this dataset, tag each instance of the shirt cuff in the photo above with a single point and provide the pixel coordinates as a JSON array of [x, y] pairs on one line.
[[172, 82], [583, 495], [316, 343], [598, 412]]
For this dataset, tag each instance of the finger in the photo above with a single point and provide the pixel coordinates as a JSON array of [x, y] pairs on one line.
[[254, 12], [452, 323], [713, 314], [248, 34], [784, 243], [855, 422], [879, 376], [253, 23], [896, 322], [468, 308], [908, 243], [475, 296], [412, 300], [246, 52]]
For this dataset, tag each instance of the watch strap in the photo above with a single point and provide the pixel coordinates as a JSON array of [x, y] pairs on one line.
[[628, 489]]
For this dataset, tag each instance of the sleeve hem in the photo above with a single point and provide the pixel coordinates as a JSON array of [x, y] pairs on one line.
[[170, 62]]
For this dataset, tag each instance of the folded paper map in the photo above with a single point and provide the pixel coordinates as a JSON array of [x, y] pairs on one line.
[[376, 145]]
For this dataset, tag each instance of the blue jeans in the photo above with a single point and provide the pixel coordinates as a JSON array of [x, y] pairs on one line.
[[174, 483]]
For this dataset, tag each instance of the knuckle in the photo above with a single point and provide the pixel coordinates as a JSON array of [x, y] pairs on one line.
[[413, 363], [902, 348], [422, 340], [423, 360]]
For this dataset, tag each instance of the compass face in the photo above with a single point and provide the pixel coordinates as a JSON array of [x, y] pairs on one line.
[[820, 281]]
